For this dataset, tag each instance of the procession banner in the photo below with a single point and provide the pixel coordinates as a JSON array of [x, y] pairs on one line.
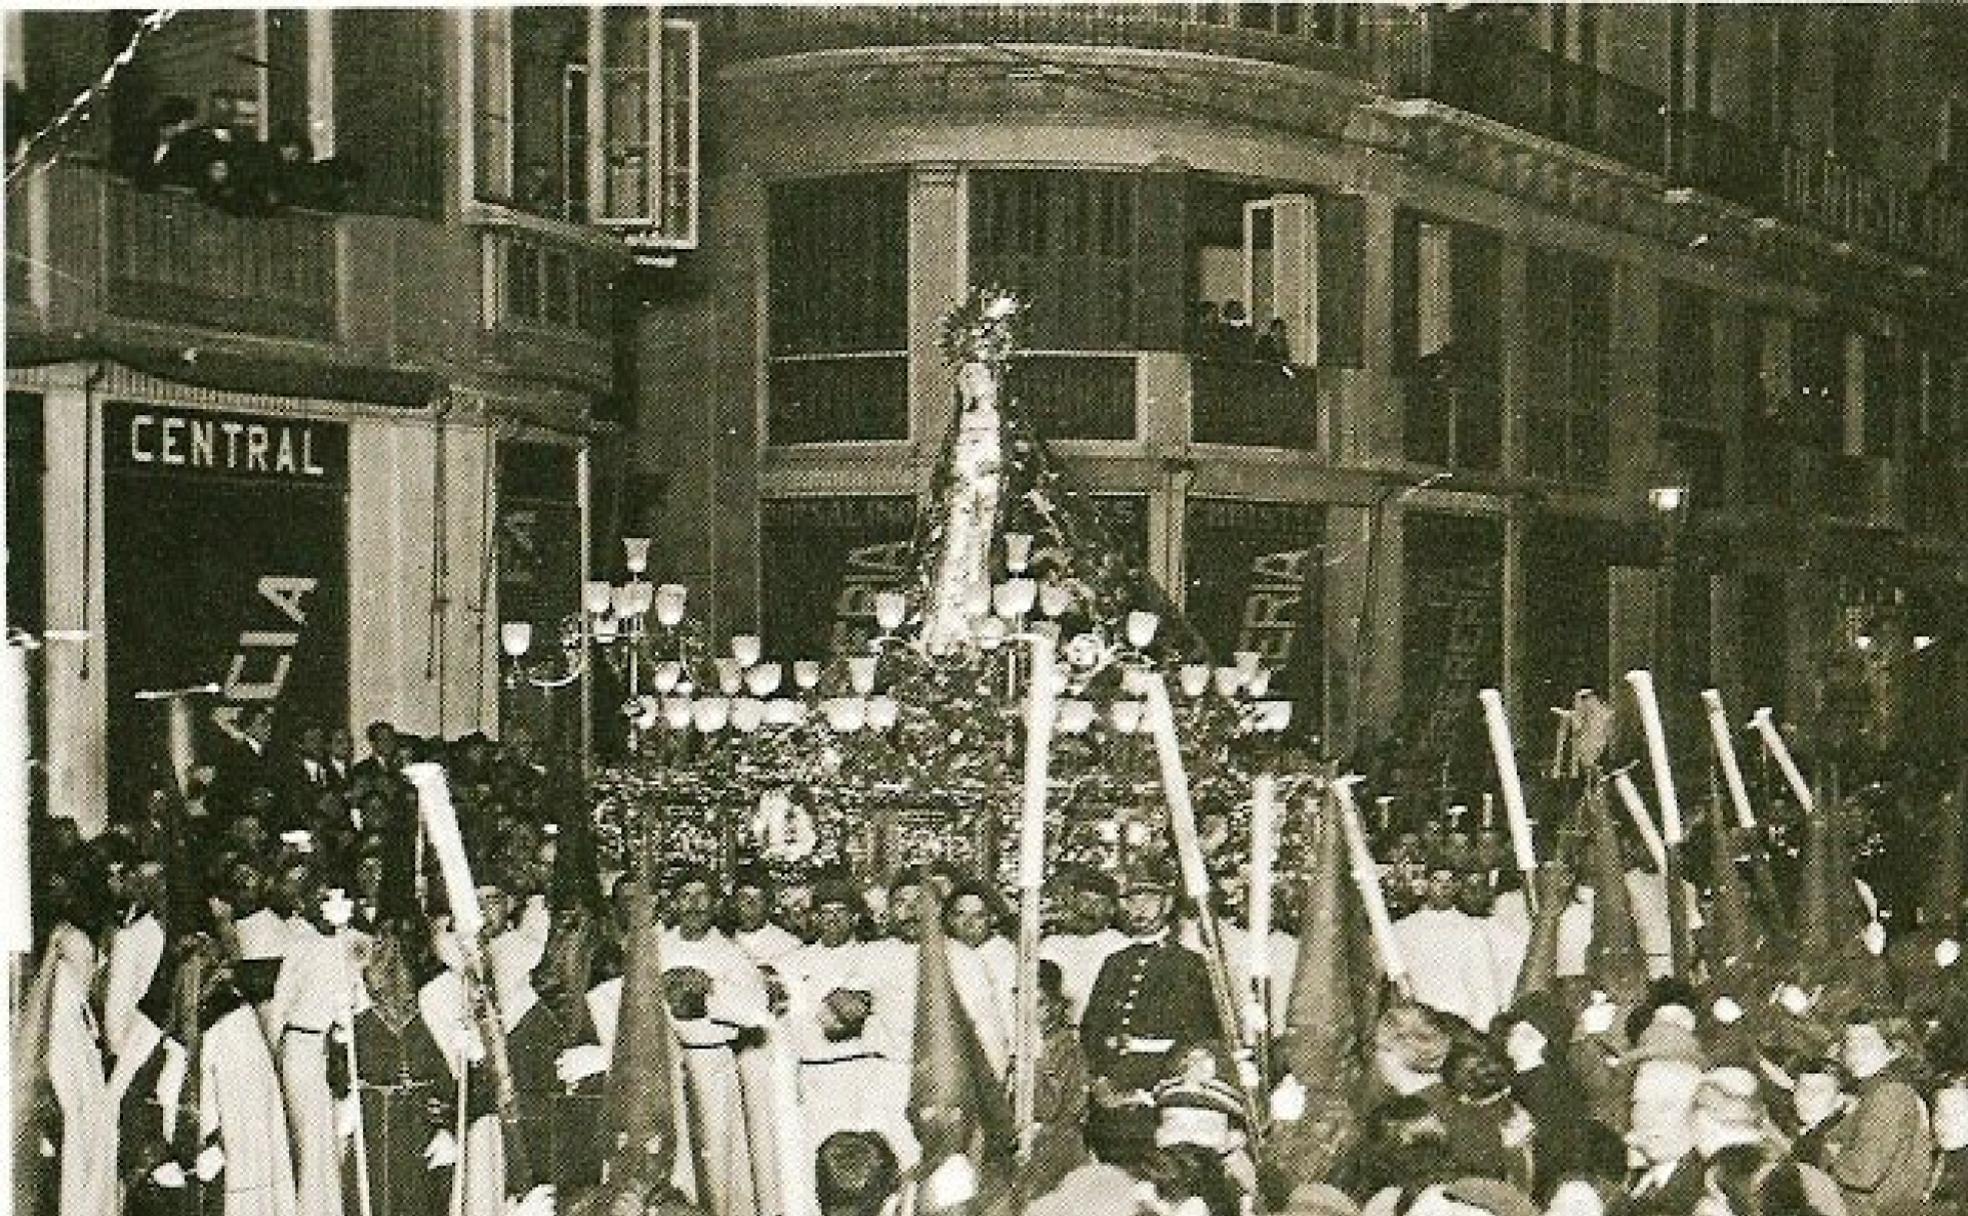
[[822, 562], [226, 555]]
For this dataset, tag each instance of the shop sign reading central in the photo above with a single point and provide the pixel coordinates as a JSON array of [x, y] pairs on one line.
[[151, 438]]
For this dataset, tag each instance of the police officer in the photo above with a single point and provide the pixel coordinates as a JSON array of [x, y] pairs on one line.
[[1150, 1005]]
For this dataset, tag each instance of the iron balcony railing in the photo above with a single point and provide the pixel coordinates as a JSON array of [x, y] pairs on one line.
[[1546, 94], [171, 257], [1826, 192], [1254, 403]]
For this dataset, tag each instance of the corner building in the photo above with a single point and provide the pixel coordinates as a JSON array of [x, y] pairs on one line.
[[317, 457], [1529, 262]]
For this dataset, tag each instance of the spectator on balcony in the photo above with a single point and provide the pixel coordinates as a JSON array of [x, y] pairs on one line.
[[1239, 339], [1205, 328], [180, 150], [1273, 346], [286, 173]]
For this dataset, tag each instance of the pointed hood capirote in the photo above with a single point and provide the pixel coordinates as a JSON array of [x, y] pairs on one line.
[[1734, 939], [956, 1105], [1327, 1044], [643, 1114], [1617, 963]]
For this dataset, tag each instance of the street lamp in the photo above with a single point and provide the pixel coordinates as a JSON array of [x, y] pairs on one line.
[[1669, 498]]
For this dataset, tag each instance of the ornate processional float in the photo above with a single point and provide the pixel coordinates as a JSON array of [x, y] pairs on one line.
[[915, 748]]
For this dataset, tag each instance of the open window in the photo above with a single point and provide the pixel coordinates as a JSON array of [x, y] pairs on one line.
[[645, 180], [589, 115], [1281, 270]]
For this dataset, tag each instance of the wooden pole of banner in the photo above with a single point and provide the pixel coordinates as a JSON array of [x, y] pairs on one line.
[[1160, 720]]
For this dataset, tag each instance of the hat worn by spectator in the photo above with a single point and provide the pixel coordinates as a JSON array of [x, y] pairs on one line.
[[1091, 880], [1320, 1199], [1728, 1109], [1148, 874], [1206, 1111], [1668, 1040], [838, 892]]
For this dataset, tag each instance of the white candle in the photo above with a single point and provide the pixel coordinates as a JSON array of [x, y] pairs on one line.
[[1159, 720], [440, 820], [182, 740], [1642, 682], [1636, 810], [1766, 726], [16, 785], [1041, 712], [1725, 755], [1366, 878], [1264, 848], [1519, 818]]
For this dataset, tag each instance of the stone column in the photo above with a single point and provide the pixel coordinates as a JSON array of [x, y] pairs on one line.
[[939, 275], [75, 680]]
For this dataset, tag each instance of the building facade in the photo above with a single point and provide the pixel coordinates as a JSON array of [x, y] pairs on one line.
[[1527, 264], [316, 454]]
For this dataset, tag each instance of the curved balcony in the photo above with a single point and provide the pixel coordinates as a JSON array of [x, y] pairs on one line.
[[172, 258], [93, 259], [1303, 35]]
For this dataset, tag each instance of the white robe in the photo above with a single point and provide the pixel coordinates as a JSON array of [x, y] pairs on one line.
[[846, 1084], [893, 962], [1450, 964], [1509, 928], [729, 1093], [241, 1101], [1000, 959], [311, 996], [1646, 893], [445, 1006], [766, 945], [75, 1071], [134, 953], [1281, 953]]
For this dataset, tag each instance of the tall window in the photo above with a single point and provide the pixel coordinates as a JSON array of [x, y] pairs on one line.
[[1447, 283], [588, 115], [1689, 424], [1855, 46], [838, 280], [1568, 307], [1886, 383], [1067, 241], [1072, 244], [1818, 358]]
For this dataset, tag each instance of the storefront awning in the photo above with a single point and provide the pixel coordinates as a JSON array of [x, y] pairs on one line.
[[233, 371]]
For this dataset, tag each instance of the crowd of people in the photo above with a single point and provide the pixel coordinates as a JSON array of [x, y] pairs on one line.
[[232, 170], [1226, 331], [251, 987]]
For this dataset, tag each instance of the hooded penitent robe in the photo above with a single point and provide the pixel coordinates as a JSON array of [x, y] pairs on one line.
[[75, 1072], [311, 998], [241, 1103]]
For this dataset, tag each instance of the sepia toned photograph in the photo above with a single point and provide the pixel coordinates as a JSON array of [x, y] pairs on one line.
[[1089, 609]]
